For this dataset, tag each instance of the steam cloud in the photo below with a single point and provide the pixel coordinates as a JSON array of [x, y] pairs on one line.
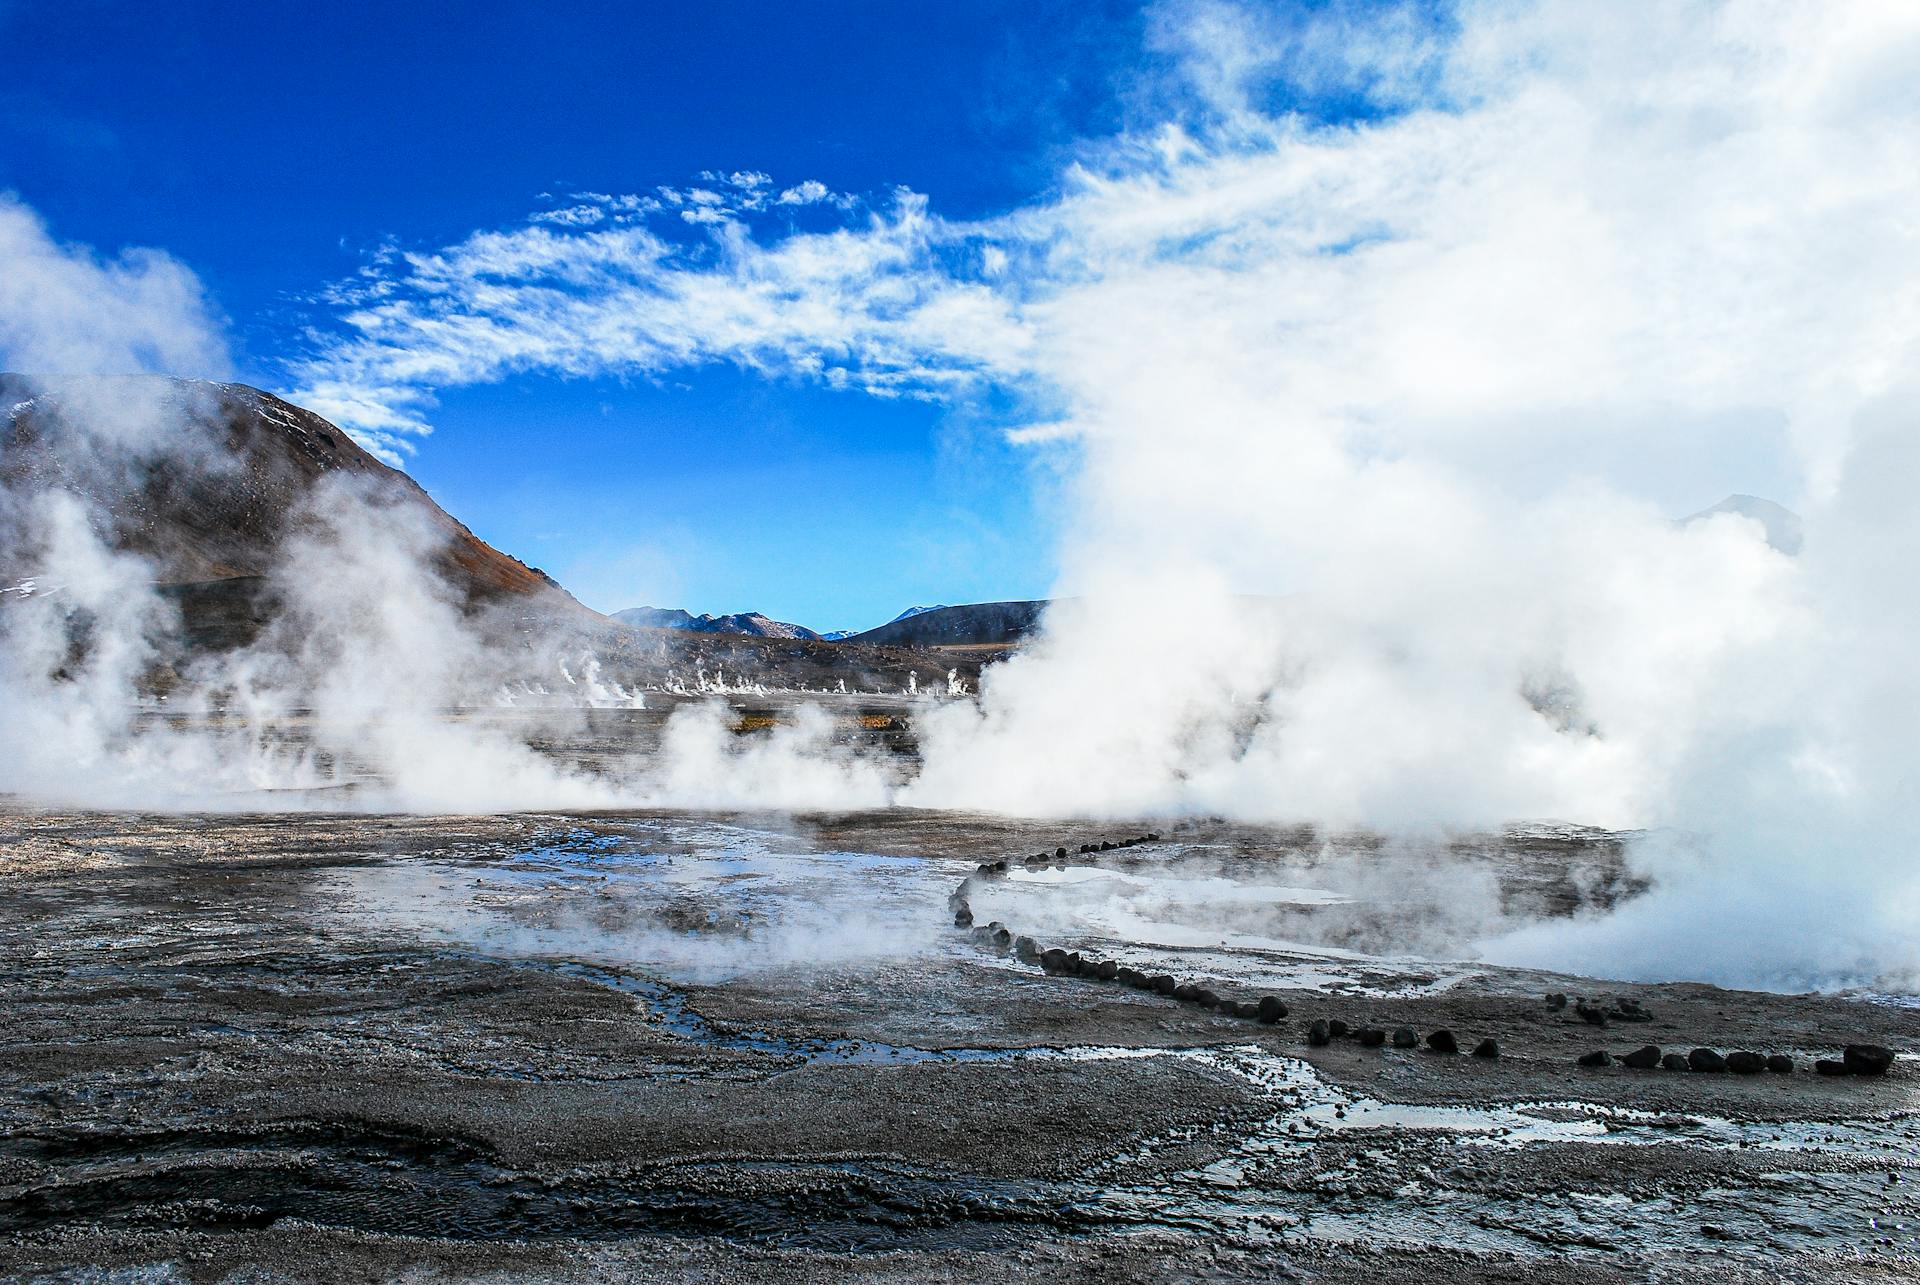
[[1375, 434]]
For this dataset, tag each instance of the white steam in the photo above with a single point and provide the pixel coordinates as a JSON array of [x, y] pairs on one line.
[[1376, 433]]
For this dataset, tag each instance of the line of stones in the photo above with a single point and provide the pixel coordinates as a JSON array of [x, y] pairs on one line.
[[1855, 1059], [1267, 1009]]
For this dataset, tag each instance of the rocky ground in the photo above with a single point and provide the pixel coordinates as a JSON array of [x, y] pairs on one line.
[[323, 1047]]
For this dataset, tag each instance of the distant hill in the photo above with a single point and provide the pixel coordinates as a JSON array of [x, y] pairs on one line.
[[987, 624], [749, 623], [1785, 531], [973, 625]]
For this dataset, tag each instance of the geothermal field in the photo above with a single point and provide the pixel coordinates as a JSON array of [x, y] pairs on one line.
[[1093, 641], [897, 1044]]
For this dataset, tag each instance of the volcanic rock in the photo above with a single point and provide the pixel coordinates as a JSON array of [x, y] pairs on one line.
[[1866, 1059]]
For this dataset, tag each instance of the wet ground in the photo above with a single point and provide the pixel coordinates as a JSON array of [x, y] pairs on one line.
[[606, 1047]]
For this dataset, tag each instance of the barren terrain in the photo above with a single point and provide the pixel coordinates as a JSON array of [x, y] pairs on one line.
[[320, 1046]]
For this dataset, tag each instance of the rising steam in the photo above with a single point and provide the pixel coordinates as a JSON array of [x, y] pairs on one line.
[[1376, 433]]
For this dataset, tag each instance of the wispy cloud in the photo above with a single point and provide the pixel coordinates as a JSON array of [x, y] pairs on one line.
[[608, 286]]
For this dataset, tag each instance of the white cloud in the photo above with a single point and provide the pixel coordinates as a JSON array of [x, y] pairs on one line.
[[577, 216], [811, 192], [867, 307]]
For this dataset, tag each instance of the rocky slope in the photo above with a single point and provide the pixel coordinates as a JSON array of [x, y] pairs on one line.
[[209, 481]]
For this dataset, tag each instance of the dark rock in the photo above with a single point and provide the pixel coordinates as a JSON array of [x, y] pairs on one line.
[[1866, 1059], [1405, 1037], [1828, 1066], [1442, 1041], [1598, 1057], [1556, 1001], [1318, 1035], [1706, 1060], [1642, 1059], [1780, 1064], [1372, 1037], [1165, 984], [1744, 1062], [1676, 1062], [1337, 1028], [1106, 970], [1488, 1048], [1270, 1009]]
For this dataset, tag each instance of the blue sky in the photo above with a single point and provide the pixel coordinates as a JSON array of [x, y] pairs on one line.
[[273, 147]]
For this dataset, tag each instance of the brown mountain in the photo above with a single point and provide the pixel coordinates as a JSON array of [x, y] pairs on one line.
[[208, 480]]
